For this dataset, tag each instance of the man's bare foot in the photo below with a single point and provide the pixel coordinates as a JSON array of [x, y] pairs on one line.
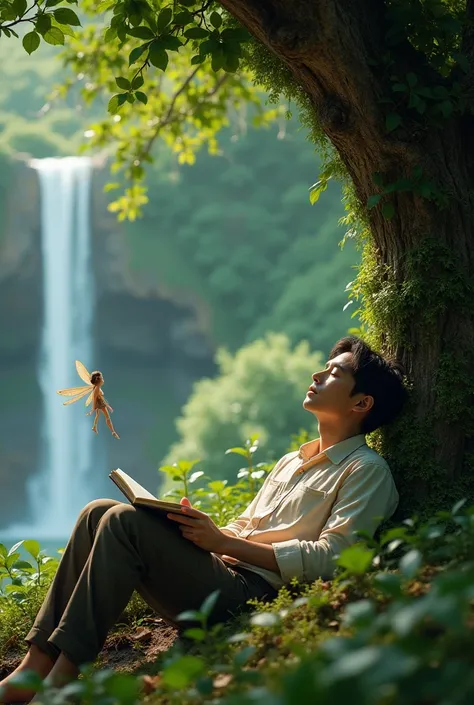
[[115, 434], [63, 672], [36, 661], [95, 430]]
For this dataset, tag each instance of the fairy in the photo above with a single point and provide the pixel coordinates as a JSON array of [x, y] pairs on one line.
[[93, 386]]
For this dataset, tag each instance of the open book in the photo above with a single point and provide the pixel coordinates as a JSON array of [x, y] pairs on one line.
[[138, 495]]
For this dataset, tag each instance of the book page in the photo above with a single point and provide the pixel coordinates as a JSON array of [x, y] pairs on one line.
[[136, 490]]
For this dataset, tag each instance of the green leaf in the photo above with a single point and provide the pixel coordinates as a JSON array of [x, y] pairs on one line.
[[209, 603], [388, 210], [3, 550], [12, 558], [359, 614], [182, 672], [265, 619], [389, 583], [373, 200], [195, 633], [23, 565], [196, 33], [217, 59], [20, 7], [31, 42], [356, 559], [164, 18], [137, 82], [237, 34], [158, 56], [183, 18], [190, 615], [392, 121], [136, 53], [142, 97], [197, 59], [122, 82], [28, 679], [43, 24], [32, 547], [410, 563], [412, 80], [64, 15], [110, 34], [115, 102], [53, 3], [169, 41], [196, 475], [458, 506], [141, 32], [316, 191], [54, 36], [14, 548], [241, 657], [399, 87], [216, 19], [238, 451]]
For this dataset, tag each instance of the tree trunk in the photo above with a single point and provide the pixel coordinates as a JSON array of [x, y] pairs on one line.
[[421, 291]]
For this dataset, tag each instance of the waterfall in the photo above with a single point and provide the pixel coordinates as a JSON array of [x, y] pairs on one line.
[[59, 488]]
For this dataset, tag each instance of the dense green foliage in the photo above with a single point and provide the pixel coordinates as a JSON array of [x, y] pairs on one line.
[[240, 233], [260, 389], [394, 626]]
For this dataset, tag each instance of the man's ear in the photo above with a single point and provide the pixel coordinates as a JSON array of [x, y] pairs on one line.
[[364, 404]]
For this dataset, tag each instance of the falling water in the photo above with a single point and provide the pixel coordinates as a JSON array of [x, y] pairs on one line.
[[60, 488]]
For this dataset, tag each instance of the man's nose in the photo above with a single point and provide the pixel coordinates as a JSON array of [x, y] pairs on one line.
[[316, 377]]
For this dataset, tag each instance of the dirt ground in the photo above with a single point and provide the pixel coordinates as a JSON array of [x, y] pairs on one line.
[[130, 651]]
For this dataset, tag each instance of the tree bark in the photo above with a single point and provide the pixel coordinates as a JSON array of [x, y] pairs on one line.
[[328, 46]]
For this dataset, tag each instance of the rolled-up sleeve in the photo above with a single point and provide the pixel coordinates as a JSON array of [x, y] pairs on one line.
[[367, 497]]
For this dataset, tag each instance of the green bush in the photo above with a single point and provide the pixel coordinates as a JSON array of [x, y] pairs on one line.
[[259, 389]]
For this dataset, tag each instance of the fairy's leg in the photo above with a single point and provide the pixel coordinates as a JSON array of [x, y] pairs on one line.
[[94, 426], [109, 423]]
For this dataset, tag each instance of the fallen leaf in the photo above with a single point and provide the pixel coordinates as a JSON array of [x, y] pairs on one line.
[[150, 683], [222, 680], [142, 634]]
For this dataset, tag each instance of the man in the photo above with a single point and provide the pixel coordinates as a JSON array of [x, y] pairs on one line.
[[304, 515]]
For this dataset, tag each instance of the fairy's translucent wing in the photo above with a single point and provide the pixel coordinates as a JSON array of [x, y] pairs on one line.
[[79, 396], [82, 372], [73, 390], [89, 398]]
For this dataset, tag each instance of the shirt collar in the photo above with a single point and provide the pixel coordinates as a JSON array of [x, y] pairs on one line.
[[336, 453]]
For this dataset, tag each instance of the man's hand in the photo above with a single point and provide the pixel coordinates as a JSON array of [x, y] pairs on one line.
[[199, 528]]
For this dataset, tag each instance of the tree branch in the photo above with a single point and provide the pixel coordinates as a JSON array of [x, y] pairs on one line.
[[169, 117], [23, 18]]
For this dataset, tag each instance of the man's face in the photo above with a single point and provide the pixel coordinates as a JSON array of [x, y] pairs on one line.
[[329, 393]]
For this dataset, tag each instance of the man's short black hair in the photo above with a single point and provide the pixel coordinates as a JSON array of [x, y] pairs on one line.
[[376, 376]]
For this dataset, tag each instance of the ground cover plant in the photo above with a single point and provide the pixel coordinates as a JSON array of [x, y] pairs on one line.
[[395, 625]]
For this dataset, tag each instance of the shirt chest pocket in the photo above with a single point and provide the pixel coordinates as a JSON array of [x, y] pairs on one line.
[[288, 502]]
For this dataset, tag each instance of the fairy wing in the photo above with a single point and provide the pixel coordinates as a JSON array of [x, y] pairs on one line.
[[89, 398], [85, 390], [72, 391], [82, 372]]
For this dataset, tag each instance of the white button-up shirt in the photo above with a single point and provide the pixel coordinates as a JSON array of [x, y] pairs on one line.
[[311, 504]]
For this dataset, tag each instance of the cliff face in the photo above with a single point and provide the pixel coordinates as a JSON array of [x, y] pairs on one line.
[[151, 344]]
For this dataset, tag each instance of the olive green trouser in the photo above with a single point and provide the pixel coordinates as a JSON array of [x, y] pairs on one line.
[[116, 548]]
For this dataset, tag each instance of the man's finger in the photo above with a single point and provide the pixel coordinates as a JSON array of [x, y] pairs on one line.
[[191, 512], [182, 520]]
